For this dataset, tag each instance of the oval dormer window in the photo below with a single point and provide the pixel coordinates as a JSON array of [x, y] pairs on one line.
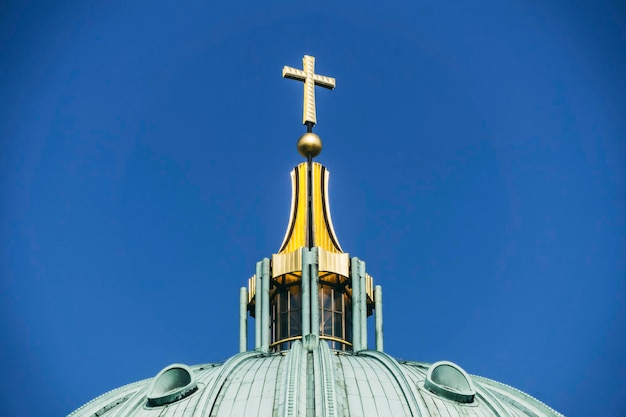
[[449, 381], [172, 384]]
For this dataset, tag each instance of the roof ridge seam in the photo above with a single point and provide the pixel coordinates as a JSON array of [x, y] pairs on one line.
[[517, 391], [394, 367]]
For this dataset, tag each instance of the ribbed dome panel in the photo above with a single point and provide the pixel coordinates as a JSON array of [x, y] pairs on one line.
[[328, 383]]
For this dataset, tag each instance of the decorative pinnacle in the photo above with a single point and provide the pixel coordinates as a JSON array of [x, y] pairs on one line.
[[310, 79]]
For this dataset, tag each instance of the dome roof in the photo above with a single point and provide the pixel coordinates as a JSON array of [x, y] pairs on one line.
[[311, 302], [326, 382]]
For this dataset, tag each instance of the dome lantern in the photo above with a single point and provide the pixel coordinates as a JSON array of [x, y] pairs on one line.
[[311, 290]]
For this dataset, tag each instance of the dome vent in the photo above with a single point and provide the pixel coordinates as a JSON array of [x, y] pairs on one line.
[[172, 384], [449, 381]]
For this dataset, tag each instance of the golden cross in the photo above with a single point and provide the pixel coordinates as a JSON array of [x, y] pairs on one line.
[[310, 79]]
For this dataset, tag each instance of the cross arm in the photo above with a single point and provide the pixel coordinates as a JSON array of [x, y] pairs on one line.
[[294, 73], [323, 81]]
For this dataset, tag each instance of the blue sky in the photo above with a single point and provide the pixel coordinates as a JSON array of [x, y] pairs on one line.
[[476, 153]]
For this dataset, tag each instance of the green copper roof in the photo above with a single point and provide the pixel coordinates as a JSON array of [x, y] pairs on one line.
[[317, 382]]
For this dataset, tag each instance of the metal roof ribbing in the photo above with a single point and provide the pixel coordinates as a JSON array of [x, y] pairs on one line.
[[332, 384]]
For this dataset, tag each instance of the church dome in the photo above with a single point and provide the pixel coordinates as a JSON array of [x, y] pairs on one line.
[[310, 358]]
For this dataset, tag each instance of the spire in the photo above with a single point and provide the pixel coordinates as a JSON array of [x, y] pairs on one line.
[[309, 224]]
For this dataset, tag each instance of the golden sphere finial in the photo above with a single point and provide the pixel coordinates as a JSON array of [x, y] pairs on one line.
[[309, 144]]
